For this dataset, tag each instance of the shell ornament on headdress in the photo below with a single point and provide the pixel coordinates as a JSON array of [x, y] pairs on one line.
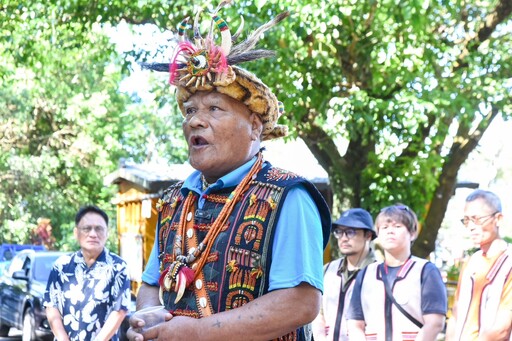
[[202, 65]]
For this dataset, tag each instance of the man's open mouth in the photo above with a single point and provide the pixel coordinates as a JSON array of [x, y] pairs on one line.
[[198, 141]]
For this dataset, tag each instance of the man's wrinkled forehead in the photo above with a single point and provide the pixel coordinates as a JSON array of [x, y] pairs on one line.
[[212, 98]]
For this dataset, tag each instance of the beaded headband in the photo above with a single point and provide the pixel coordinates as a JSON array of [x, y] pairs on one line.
[[202, 65]]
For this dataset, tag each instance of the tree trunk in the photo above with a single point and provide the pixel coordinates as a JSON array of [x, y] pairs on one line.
[[459, 152]]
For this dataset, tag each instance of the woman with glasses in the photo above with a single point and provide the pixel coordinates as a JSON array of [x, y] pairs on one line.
[[483, 300], [403, 297], [354, 231]]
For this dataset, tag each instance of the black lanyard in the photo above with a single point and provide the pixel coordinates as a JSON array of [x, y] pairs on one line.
[[389, 295]]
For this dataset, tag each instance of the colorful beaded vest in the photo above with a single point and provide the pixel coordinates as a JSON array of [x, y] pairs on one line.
[[237, 263]]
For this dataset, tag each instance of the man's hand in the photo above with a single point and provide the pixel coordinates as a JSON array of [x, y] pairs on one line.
[[136, 332], [133, 333]]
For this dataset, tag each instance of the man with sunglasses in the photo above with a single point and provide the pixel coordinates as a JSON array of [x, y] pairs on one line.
[[88, 292], [354, 231], [483, 300]]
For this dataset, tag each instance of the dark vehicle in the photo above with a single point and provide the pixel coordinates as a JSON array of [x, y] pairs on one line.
[[8, 251], [22, 288]]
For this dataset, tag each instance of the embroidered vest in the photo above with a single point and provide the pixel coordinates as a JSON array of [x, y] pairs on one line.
[[331, 298], [407, 293], [491, 280], [238, 265]]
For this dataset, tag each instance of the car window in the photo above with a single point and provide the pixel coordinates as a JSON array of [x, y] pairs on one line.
[[16, 263], [42, 267]]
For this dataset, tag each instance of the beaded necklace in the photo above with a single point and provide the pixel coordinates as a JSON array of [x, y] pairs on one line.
[[186, 268]]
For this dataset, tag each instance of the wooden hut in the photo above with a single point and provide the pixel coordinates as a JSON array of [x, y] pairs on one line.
[[139, 187]]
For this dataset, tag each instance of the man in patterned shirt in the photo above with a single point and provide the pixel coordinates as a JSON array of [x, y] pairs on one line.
[[88, 292]]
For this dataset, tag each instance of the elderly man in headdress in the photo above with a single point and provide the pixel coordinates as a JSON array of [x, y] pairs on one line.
[[239, 244]]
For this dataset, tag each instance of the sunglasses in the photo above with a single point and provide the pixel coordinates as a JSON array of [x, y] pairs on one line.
[[350, 233]]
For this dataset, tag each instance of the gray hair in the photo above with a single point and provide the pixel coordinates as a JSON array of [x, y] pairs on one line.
[[489, 198]]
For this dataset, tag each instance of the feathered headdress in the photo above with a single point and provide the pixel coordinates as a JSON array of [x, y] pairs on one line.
[[202, 65]]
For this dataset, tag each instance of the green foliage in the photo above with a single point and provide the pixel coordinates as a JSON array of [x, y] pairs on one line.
[[408, 87], [64, 124], [453, 272], [60, 139]]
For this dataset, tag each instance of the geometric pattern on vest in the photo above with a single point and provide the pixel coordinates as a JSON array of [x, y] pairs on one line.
[[239, 261]]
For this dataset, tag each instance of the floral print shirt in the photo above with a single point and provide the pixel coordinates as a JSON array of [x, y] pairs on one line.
[[85, 296]]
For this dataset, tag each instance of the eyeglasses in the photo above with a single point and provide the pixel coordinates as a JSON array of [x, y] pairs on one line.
[[350, 233], [479, 221], [87, 229]]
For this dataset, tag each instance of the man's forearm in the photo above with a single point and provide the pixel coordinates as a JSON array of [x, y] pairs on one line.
[[56, 325], [433, 325], [320, 330], [271, 315], [267, 317], [111, 325], [147, 296]]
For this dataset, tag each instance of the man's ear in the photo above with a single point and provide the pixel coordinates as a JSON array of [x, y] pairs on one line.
[[256, 126], [499, 219]]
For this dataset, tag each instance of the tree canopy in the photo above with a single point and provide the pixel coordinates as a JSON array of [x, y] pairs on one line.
[[64, 123], [391, 97]]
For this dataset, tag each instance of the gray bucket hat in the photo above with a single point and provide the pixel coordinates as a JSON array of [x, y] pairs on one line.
[[356, 218]]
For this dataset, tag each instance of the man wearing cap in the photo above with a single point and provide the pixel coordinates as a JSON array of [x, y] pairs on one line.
[[239, 243], [354, 231]]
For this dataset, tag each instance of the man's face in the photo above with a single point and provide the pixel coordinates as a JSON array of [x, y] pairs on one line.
[[394, 236], [351, 241], [221, 133], [482, 222], [91, 233]]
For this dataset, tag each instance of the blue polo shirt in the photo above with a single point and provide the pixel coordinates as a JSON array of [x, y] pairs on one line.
[[297, 252]]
